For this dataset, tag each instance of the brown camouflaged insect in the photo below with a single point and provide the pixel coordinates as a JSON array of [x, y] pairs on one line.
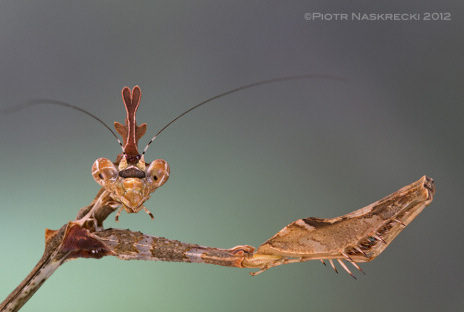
[[127, 183], [359, 236]]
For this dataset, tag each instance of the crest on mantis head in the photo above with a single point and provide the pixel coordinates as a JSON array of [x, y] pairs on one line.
[[130, 180]]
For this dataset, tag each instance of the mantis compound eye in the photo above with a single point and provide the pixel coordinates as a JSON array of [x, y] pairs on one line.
[[157, 173], [104, 171]]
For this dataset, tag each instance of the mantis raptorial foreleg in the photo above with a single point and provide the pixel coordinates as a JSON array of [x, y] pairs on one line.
[[359, 236]]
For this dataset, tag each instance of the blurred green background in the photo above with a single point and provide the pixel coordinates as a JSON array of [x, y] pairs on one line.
[[245, 165]]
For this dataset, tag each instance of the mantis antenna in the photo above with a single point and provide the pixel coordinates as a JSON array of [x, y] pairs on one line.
[[248, 86], [15, 108], [18, 107]]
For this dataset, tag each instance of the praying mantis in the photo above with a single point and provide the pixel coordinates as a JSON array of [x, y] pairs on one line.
[[129, 181]]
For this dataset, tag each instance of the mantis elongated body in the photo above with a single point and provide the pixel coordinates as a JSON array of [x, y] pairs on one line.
[[128, 182]]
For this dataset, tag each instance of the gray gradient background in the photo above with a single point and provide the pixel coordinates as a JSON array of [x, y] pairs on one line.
[[246, 165]]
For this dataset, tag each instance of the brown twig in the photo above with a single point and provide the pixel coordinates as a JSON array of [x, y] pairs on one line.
[[86, 238]]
